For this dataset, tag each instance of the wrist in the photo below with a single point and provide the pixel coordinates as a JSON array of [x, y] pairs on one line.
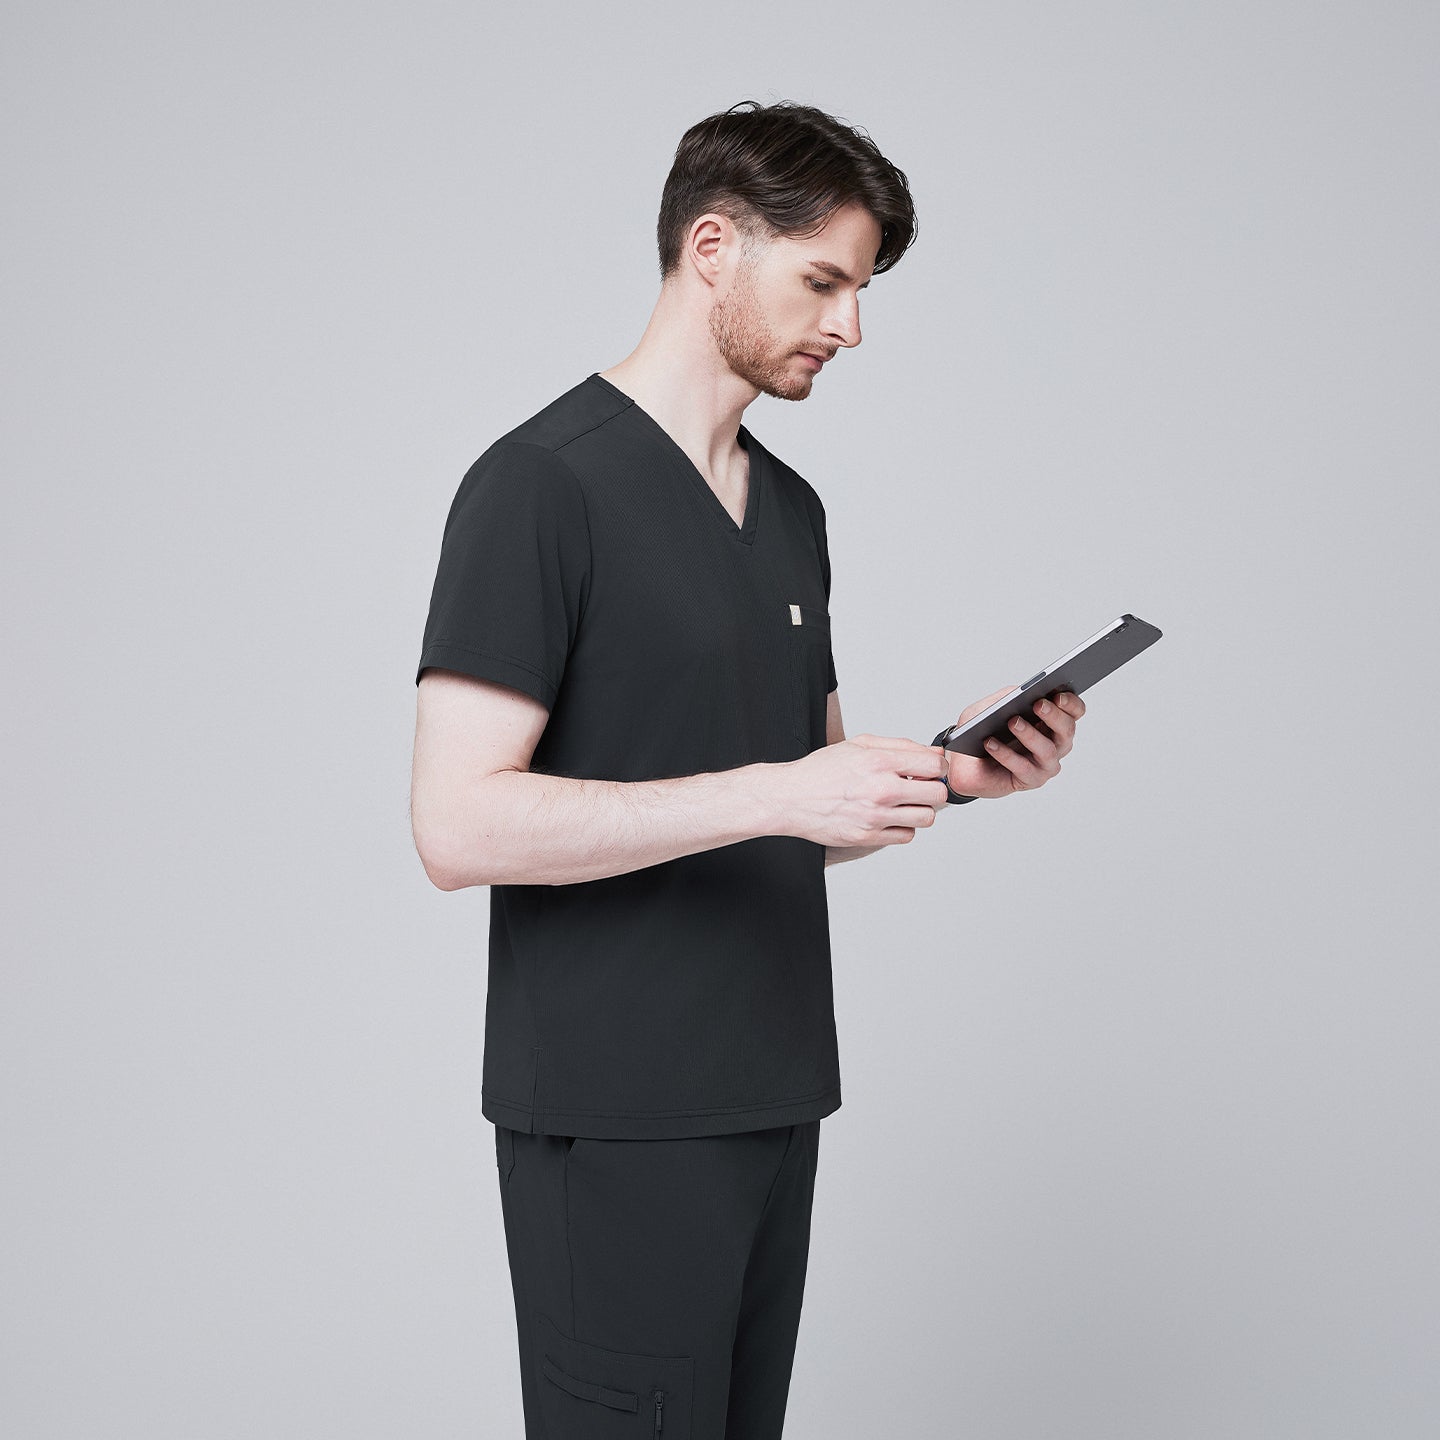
[[951, 796], [766, 786]]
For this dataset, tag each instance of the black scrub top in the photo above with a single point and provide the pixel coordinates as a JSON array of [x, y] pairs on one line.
[[587, 563]]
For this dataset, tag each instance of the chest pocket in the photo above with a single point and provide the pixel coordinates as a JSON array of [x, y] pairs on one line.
[[809, 672]]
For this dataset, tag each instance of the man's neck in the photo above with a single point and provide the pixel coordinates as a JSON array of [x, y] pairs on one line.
[[691, 394]]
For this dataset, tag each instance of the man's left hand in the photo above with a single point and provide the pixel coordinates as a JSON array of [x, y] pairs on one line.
[[1029, 758]]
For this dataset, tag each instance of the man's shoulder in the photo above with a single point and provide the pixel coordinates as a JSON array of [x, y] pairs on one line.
[[535, 452], [582, 408]]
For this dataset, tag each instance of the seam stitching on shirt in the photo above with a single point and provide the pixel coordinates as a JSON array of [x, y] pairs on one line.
[[585, 507], [551, 1110], [494, 655], [584, 504]]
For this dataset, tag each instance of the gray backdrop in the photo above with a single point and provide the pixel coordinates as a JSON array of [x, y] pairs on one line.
[[1140, 1071]]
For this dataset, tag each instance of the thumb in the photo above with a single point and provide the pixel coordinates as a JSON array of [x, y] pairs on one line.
[[973, 709]]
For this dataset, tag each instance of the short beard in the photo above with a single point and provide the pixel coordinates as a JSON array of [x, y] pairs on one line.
[[747, 345]]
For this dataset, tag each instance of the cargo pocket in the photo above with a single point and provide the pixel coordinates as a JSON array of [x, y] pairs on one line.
[[589, 1393], [504, 1150], [810, 672]]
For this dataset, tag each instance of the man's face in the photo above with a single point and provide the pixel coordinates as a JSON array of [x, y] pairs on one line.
[[796, 296]]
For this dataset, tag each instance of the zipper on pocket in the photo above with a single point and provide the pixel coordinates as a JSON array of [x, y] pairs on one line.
[[659, 1410]]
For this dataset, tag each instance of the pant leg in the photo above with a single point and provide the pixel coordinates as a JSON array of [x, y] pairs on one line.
[[771, 1298], [630, 1262]]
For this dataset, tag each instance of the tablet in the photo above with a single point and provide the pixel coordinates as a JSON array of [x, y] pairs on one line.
[[1082, 667]]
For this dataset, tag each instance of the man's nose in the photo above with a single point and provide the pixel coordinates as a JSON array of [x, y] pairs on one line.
[[845, 326]]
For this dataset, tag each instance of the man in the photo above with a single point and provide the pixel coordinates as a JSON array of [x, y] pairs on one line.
[[629, 728]]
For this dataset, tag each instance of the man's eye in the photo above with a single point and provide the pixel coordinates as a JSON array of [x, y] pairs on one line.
[[819, 284]]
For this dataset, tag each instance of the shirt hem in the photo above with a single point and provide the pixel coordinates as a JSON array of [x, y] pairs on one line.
[[486, 665], [669, 1125]]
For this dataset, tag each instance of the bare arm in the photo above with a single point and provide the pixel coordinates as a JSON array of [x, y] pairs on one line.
[[481, 817]]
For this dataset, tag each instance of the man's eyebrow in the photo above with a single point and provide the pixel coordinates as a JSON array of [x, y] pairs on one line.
[[834, 271]]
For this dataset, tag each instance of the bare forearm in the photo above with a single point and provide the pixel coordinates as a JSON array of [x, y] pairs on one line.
[[838, 854], [537, 829]]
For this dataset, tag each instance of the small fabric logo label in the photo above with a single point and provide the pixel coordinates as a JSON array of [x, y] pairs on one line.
[[794, 614]]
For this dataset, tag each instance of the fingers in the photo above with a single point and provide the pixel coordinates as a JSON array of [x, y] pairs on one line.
[[895, 744], [906, 757], [1045, 750], [1033, 770], [919, 790], [923, 773], [1028, 775], [1056, 716], [1056, 722], [921, 770], [931, 762]]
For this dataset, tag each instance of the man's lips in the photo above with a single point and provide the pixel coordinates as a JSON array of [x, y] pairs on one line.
[[816, 360]]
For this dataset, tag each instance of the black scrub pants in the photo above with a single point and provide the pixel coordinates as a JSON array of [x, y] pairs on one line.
[[658, 1283]]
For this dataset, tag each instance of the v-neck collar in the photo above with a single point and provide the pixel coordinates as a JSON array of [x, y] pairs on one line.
[[745, 532]]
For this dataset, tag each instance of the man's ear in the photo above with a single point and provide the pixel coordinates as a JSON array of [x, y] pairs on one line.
[[712, 244]]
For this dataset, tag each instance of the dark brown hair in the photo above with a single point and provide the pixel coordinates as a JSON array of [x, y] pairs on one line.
[[781, 169]]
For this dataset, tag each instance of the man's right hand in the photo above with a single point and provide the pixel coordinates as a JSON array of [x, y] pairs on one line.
[[869, 790]]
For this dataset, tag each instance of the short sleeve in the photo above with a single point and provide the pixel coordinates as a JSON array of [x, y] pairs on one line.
[[825, 572], [513, 574]]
